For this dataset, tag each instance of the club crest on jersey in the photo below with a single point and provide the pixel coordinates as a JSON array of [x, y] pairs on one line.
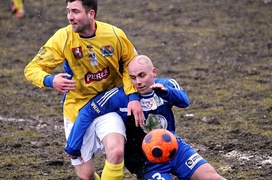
[[154, 121], [77, 51], [151, 103], [93, 58], [106, 50], [148, 104]]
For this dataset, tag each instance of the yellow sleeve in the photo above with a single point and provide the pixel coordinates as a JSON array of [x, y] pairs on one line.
[[48, 58], [128, 53]]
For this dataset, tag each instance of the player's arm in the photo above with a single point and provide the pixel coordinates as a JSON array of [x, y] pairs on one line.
[[134, 106], [170, 90], [38, 71]]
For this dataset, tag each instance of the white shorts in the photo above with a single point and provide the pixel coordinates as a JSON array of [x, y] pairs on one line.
[[92, 140]]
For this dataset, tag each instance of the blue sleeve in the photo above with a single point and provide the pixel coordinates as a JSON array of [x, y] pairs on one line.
[[48, 81], [175, 95], [134, 96], [104, 103]]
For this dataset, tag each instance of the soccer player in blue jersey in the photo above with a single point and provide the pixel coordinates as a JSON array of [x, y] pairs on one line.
[[158, 95]]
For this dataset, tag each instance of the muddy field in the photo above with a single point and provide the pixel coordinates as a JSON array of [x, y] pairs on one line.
[[219, 51]]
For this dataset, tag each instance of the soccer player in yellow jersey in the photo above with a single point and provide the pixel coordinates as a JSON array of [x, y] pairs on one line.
[[18, 8], [95, 56]]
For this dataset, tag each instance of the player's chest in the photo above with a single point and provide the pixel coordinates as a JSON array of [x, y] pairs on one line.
[[92, 54]]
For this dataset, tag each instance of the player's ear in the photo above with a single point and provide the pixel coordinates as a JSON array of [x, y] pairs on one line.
[[154, 72], [91, 14]]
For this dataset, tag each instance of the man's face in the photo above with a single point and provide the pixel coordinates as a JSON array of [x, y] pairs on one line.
[[142, 77], [78, 18]]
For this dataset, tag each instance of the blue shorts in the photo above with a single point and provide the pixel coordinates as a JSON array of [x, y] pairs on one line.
[[183, 165]]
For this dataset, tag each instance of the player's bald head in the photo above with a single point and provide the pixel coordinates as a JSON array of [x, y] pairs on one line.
[[140, 61]]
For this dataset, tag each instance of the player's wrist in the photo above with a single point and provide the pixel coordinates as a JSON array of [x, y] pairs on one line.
[[72, 152]]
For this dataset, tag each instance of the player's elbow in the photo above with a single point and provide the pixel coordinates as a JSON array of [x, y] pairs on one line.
[[185, 103]]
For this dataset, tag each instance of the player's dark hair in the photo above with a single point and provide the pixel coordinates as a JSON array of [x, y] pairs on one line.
[[87, 4]]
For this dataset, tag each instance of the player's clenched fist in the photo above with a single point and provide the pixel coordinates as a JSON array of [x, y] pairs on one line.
[[62, 84]]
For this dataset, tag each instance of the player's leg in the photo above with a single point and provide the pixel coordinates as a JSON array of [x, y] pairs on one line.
[[18, 8], [206, 172], [188, 164], [186, 161], [18, 4], [13, 8], [90, 148], [114, 148], [111, 131], [86, 170]]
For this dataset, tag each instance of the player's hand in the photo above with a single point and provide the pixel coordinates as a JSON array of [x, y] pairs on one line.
[[75, 157], [62, 84], [135, 108], [158, 87]]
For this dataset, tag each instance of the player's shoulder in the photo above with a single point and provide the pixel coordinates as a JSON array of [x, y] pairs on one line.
[[109, 28], [163, 80]]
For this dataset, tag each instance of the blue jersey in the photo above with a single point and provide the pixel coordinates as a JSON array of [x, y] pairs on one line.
[[157, 107]]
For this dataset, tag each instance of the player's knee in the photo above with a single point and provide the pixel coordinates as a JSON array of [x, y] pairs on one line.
[[116, 155], [119, 152]]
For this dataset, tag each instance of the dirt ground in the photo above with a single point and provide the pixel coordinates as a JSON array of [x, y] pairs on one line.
[[219, 51]]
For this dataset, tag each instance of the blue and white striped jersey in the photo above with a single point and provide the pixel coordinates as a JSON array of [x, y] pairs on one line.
[[157, 107]]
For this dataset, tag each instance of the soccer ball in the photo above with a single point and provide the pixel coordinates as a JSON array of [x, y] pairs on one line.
[[160, 146]]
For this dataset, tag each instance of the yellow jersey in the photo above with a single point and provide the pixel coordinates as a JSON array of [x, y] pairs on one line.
[[97, 63]]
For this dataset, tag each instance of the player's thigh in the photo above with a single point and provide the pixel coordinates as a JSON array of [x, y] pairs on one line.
[[90, 145], [68, 125], [205, 171], [110, 123], [186, 161], [113, 140]]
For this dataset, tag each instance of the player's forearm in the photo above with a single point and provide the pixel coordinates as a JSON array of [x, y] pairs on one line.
[[177, 97], [35, 74]]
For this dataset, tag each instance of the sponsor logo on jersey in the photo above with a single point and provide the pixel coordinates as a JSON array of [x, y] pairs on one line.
[[77, 51], [193, 160], [98, 76], [95, 107], [106, 50]]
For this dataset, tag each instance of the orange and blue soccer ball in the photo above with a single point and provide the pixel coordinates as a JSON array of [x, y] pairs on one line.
[[160, 146]]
